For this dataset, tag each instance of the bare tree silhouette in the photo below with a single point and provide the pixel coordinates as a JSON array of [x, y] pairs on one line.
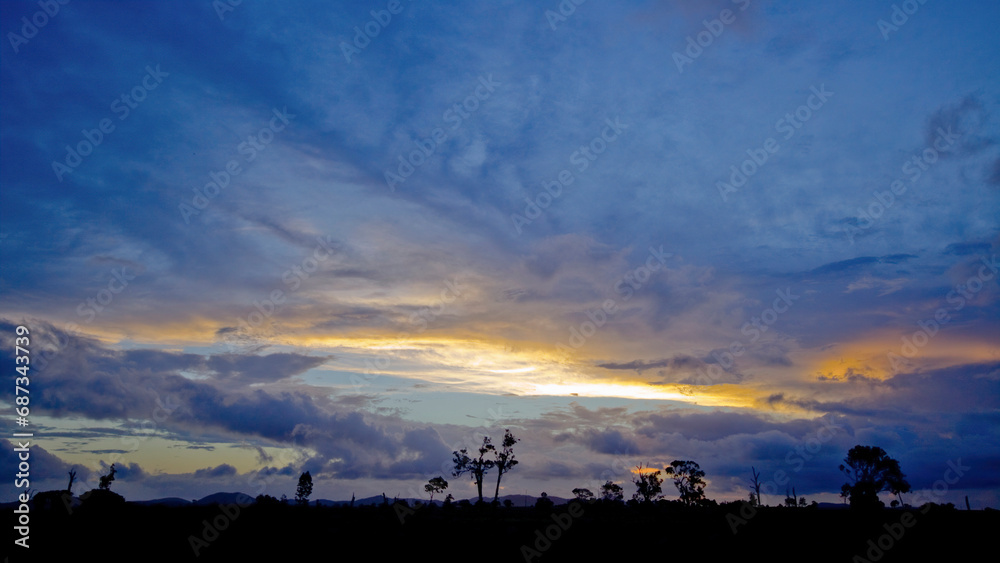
[[755, 485]]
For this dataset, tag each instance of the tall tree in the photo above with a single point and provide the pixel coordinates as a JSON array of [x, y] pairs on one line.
[[869, 471], [434, 486], [504, 461], [688, 478], [611, 492], [648, 484], [476, 467], [304, 489]]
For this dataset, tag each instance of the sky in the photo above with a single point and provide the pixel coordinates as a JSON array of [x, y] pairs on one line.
[[250, 240]]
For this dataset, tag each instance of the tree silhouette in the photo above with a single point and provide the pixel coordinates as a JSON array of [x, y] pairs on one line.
[[266, 500], [898, 486], [72, 477], [688, 480], [793, 500], [504, 459], [105, 482], [611, 492], [102, 495], [755, 485], [869, 471], [544, 503], [435, 485], [475, 467], [583, 495], [304, 489], [648, 484]]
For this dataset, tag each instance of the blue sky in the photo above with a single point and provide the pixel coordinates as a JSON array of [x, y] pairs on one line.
[[252, 242]]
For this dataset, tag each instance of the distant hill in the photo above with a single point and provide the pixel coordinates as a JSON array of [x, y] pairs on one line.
[[226, 498], [169, 501], [367, 501]]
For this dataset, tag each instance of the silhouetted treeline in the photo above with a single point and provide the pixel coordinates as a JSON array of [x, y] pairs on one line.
[[579, 531]]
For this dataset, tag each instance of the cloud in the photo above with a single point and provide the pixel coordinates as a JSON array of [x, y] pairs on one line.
[[993, 175], [869, 282], [856, 263], [261, 368], [609, 442], [709, 427], [223, 470], [967, 248], [677, 362], [969, 120], [44, 465], [86, 379]]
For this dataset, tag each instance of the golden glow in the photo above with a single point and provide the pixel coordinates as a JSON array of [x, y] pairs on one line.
[[467, 360], [624, 391], [884, 355], [467, 364], [649, 469]]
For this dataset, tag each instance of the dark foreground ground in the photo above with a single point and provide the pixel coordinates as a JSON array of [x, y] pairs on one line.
[[575, 532]]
